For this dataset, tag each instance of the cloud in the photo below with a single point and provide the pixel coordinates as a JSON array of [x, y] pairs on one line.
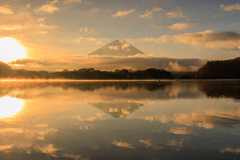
[[157, 9], [49, 131], [230, 7], [161, 39], [227, 40], [209, 39], [21, 138], [175, 143], [5, 9], [71, 1], [235, 24], [28, 6], [12, 27], [5, 148], [100, 43], [49, 149], [84, 127], [86, 30], [181, 130], [97, 41], [218, 15], [206, 118], [193, 119], [122, 144], [209, 118], [41, 19], [13, 130], [50, 7], [18, 21], [182, 26], [23, 18], [41, 125], [176, 14], [148, 14], [113, 47], [232, 150], [123, 13], [161, 118], [77, 157], [174, 66], [42, 25], [98, 116], [92, 39], [148, 143], [125, 45], [107, 62]]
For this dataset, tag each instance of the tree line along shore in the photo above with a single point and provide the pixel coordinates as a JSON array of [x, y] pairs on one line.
[[226, 69]]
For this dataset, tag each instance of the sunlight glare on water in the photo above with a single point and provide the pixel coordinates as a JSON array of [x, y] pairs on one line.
[[10, 106]]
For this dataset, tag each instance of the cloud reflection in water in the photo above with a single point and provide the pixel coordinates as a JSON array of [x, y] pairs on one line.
[[83, 120]]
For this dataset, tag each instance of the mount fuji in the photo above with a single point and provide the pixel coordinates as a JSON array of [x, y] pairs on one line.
[[117, 48]]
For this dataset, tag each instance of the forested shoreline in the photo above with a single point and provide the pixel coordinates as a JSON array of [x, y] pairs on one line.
[[226, 69], [84, 73]]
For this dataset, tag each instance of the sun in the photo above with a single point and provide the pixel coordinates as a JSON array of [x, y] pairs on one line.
[[11, 50]]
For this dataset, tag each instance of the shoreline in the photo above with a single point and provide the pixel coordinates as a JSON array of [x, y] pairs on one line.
[[113, 80]]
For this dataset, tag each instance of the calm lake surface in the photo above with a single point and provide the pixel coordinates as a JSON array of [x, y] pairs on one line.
[[165, 120]]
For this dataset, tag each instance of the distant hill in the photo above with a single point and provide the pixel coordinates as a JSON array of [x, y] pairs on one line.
[[117, 48], [5, 70], [227, 69]]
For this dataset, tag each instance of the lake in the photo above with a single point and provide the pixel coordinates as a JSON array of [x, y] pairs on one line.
[[105, 120]]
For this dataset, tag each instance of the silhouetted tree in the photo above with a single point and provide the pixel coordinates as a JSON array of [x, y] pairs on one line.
[[228, 69]]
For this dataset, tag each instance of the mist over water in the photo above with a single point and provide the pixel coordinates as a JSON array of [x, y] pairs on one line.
[[120, 120]]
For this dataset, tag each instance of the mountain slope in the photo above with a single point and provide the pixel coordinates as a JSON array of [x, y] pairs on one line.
[[228, 69], [117, 48]]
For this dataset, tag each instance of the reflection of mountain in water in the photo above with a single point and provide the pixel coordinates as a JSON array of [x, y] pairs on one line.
[[219, 89], [130, 90], [118, 109]]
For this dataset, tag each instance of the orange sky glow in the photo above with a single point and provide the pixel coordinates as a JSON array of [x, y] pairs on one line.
[[65, 31]]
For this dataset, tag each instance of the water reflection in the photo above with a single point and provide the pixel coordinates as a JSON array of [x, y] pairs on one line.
[[120, 120], [118, 109], [219, 89], [10, 106]]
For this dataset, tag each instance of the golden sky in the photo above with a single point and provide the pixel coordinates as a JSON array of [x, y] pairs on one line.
[[64, 31]]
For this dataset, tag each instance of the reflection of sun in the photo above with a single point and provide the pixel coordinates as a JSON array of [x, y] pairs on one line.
[[11, 50], [9, 106]]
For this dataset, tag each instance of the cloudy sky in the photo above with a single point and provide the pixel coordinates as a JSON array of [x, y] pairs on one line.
[[60, 30]]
